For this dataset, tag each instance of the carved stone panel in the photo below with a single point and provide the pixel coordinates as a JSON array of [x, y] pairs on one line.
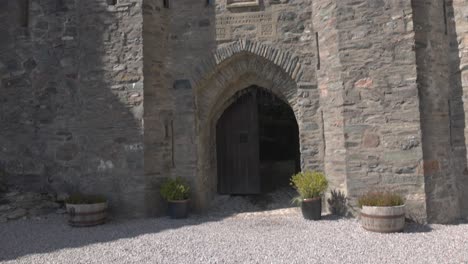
[[256, 25]]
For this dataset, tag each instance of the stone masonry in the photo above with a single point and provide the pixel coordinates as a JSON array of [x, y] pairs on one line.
[[72, 99], [114, 96]]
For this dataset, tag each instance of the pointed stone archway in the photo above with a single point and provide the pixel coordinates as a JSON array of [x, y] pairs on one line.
[[257, 144], [234, 68]]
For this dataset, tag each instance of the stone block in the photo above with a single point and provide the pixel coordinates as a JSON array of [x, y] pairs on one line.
[[16, 214], [370, 140], [182, 84], [67, 152]]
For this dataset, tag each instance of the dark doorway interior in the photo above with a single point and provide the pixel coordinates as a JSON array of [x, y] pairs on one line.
[[257, 141]]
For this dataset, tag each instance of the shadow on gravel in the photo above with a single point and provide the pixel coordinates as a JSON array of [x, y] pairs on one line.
[[52, 233], [331, 217], [417, 228]]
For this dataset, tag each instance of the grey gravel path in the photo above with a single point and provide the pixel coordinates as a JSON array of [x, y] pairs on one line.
[[279, 236]]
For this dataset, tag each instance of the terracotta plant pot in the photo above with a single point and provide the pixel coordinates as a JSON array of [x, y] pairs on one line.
[[312, 208], [177, 209], [81, 215], [383, 219]]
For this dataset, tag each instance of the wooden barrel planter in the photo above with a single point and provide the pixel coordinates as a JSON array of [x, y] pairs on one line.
[[81, 215], [383, 219]]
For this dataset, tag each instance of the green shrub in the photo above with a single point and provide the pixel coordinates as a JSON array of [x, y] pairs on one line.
[[85, 199], [175, 190], [380, 199], [309, 184]]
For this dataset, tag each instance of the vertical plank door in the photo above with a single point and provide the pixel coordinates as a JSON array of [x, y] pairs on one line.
[[237, 147]]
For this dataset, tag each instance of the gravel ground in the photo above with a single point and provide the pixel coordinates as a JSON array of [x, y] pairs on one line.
[[276, 236]]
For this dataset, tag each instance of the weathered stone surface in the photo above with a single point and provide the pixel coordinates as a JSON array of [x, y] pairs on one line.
[[370, 140], [59, 100], [26, 204], [61, 211], [16, 214], [458, 32], [5, 207], [66, 152], [61, 197]]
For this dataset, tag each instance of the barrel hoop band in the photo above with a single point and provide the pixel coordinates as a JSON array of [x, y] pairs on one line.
[[384, 231], [86, 223], [382, 216]]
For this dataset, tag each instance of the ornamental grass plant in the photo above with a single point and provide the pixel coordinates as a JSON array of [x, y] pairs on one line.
[[379, 198], [309, 184]]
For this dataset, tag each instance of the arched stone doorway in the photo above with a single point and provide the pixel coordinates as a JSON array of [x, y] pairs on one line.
[[257, 144], [215, 92]]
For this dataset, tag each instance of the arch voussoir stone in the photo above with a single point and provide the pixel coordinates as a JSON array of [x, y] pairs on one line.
[[290, 63]]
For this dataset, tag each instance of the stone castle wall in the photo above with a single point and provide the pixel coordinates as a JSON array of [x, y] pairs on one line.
[[375, 85], [371, 72], [459, 57], [72, 99], [158, 132], [438, 110]]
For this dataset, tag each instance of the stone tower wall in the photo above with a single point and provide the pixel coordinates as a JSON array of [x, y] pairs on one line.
[[371, 72], [330, 88], [457, 11], [72, 99], [440, 110], [158, 136]]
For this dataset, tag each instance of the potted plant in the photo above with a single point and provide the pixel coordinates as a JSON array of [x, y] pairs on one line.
[[176, 193], [382, 212], [310, 185], [86, 210]]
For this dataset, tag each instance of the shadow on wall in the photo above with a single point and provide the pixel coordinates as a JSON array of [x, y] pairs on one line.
[[73, 103], [111, 102], [175, 38]]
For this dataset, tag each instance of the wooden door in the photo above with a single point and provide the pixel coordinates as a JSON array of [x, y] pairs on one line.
[[237, 146]]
